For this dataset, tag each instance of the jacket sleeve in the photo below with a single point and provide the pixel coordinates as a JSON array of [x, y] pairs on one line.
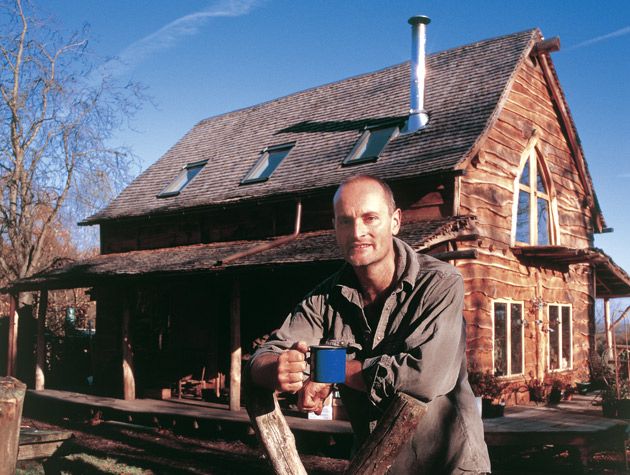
[[305, 323], [434, 347]]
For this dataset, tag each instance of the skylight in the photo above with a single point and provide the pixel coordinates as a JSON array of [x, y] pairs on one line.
[[370, 145], [185, 176], [269, 160]]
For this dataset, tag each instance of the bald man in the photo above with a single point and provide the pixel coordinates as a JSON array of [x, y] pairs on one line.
[[400, 315]]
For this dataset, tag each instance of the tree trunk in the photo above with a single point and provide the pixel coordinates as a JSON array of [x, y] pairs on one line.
[[11, 402]]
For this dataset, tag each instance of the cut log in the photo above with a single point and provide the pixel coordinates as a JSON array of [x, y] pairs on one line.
[[11, 402], [393, 431], [273, 432]]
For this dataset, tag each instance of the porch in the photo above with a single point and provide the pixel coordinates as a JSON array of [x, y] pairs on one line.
[[576, 425]]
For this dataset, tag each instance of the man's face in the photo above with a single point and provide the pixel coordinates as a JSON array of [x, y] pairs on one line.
[[364, 225]]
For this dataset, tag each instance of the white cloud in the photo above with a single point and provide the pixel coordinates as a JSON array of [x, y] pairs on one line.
[[170, 34], [614, 34]]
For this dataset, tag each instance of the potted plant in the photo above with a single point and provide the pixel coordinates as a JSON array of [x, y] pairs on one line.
[[555, 393], [487, 386], [536, 389], [568, 392]]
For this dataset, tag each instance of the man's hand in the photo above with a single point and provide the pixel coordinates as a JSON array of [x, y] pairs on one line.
[[312, 396], [291, 367]]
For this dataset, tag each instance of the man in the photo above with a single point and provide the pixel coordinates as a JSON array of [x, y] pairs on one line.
[[400, 315]]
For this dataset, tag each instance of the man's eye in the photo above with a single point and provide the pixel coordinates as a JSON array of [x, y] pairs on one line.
[[371, 219]]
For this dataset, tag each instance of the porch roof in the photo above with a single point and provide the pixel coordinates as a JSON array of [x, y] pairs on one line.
[[309, 247], [611, 281]]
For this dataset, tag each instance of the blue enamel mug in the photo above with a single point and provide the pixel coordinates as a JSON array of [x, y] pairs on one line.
[[328, 364]]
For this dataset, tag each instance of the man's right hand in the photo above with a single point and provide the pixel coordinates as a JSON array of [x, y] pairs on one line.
[[291, 367]]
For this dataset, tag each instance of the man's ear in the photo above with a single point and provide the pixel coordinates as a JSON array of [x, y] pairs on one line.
[[396, 221]]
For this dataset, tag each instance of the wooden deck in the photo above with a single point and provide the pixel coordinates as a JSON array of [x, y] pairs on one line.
[[575, 424], [36, 443]]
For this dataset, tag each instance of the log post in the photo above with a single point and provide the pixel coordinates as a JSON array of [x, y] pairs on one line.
[[11, 402], [608, 329], [13, 336], [129, 382], [393, 431], [273, 432], [40, 363], [235, 345]]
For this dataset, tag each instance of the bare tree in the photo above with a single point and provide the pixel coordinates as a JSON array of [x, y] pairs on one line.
[[57, 116]]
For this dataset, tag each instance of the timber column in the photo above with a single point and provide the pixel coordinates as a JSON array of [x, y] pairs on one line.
[[129, 381], [13, 335], [40, 363], [235, 346]]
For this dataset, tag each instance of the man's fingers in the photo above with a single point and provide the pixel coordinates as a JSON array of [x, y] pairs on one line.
[[294, 355], [291, 387], [300, 346]]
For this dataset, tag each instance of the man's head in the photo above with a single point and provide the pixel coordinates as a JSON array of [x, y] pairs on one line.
[[366, 218]]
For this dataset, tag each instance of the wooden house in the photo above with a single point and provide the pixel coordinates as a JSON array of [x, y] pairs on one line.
[[211, 246]]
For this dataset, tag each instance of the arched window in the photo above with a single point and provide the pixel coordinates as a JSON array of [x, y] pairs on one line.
[[534, 217]]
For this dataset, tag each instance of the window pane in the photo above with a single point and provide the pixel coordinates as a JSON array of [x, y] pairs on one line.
[[522, 217], [543, 222], [516, 332], [267, 163], [376, 142], [566, 337], [540, 184], [182, 179], [370, 144], [525, 174], [500, 339], [554, 338]]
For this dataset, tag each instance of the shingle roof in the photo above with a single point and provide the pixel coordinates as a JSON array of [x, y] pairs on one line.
[[464, 87], [311, 247]]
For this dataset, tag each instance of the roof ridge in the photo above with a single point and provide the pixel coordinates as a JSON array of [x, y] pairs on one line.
[[362, 75]]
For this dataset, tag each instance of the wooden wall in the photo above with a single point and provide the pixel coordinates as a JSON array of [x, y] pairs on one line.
[[487, 191], [429, 199]]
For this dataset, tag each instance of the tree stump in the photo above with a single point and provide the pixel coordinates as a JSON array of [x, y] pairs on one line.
[[12, 394], [273, 432]]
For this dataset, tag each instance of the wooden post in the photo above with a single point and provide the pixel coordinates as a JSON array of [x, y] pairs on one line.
[[273, 431], [40, 363], [13, 336], [129, 382], [393, 431], [11, 402], [608, 330], [235, 345]]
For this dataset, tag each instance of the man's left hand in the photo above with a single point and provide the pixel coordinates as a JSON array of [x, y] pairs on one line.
[[312, 396]]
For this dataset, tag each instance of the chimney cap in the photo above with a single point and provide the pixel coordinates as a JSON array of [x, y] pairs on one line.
[[418, 19]]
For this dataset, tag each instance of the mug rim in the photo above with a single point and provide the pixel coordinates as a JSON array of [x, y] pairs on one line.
[[327, 347]]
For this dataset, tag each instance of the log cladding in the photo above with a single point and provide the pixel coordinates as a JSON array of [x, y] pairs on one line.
[[528, 118]]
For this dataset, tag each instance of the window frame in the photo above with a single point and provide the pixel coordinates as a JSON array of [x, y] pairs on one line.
[[264, 155], [166, 193], [509, 302], [560, 355], [362, 142], [537, 165]]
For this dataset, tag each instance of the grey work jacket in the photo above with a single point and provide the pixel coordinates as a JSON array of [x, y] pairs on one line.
[[418, 347]]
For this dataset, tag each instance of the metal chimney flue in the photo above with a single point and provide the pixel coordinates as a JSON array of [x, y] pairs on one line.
[[418, 117]]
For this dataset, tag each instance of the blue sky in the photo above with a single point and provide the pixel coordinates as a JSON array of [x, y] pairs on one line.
[[201, 58]]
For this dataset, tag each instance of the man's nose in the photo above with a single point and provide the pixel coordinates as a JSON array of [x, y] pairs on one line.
[[360, 229]]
